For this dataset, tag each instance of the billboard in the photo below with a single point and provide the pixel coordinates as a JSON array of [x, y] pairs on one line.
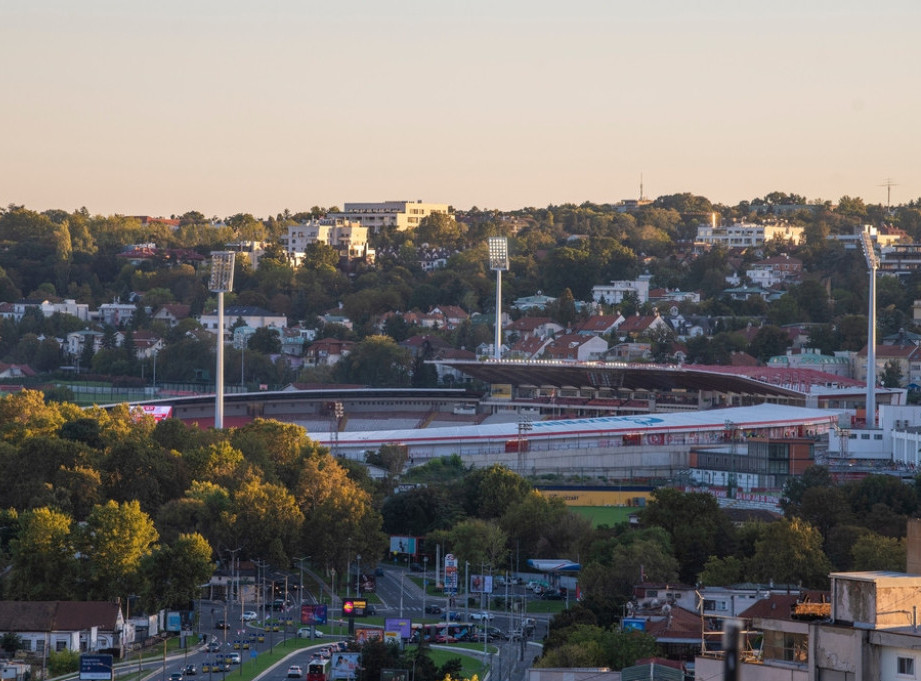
[[158, 412], [403, 545], [481, 584], [633, 624], [173, 621], [402, 626], [345, 665], [450, 574], [501, 391], [362, 635], [95, 668], [313, 614]]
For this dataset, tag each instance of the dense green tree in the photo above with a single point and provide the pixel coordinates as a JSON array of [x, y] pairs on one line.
[[44, 563], [697, 526], [376, 361], [790, 552], [173, 573], [876, 552]]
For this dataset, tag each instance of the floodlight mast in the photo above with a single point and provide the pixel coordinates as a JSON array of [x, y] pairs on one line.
[[872, 264], [220, 282], [498, 261]]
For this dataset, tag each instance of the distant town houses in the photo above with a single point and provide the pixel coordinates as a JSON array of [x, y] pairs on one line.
[[253, 316]]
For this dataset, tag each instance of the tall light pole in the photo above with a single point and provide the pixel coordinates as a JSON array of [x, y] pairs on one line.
[[498, 261], [358, 576], [221, 281]]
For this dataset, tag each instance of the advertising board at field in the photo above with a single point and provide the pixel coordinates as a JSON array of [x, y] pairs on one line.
[[363, 635], [95, 667], [173, 621], [403, 545], [157, 411], [450, 574]]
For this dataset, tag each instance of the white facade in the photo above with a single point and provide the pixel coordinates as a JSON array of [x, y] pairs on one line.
[[401, 215], [348, 237], [255, 317], [614, 293], [747, 235]]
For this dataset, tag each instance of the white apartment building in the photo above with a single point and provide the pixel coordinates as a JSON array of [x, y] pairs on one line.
[[747, 235], [348, 237], [402, 215], [255, 317], [613, 293]]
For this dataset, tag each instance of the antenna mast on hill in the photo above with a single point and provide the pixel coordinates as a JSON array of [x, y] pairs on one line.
[[888, 184], [642, 198]]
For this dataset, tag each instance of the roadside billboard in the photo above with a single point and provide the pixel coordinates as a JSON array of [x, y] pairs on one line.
[[402, 626], [345, 665], [403, 545], [481, 584], [313, 614], [95, 668]]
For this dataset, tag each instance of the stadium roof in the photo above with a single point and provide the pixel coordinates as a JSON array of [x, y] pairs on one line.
[[653, 377]]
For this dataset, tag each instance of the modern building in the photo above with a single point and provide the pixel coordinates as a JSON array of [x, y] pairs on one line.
[[255, 317], [748, 235], [614, 292], [348, 237], [399, 215]]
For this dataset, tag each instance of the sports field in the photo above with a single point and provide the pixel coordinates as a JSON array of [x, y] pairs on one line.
[[605, 515]]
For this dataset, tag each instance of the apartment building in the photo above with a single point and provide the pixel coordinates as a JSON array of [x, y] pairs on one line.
[[401, 215]]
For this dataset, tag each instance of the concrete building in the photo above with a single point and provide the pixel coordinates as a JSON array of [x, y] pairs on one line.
[[255, 317], [747, 235], [348, 237], [400, 215], [614, 292]]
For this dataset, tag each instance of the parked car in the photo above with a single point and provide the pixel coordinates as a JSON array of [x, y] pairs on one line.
[[481, 616], [433, 609], [249, 616], [295, 672], [304, 632]]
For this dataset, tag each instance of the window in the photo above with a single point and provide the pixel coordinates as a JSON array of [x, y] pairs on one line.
[[906, 666]]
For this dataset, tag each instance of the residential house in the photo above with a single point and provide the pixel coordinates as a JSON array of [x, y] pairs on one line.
[[55, 626], [424, 346], [907, 358], [614, 292], [116, 314], [540, 327], [327, 351], [528, 348], [537, 302], [630, 351], [453, 315], [147, 344], [350, 239], [574, 346], [638, 325], [746, 292], [253, 316], [172, 313], [600, 325], [748, 235], [781, 270], [15, 370]]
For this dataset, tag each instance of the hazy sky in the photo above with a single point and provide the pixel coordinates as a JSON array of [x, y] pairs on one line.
[[226, 106]]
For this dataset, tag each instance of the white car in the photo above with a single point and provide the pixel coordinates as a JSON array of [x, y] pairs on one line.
[[304, 632], [249, 616], [295, 672], [481, 616]]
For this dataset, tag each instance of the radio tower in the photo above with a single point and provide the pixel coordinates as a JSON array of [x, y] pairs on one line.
[[888, 184]]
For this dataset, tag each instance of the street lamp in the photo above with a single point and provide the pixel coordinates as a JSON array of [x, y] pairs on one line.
[[498, 261], [425, 582], [358, 576], [220, 282]]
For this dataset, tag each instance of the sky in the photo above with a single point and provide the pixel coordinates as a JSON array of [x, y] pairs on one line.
[[226, 106]]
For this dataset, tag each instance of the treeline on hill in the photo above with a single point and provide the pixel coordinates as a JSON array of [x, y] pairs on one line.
[[101, 504], [560, 250]]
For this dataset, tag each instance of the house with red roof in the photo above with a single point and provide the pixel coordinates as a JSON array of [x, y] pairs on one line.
[[327, 351], [642, 325], [541, 327], [600, 325], [573, 346], [172, 313]]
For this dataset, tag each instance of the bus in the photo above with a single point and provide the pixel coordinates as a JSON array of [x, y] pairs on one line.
[[444, 632], [318, 669]]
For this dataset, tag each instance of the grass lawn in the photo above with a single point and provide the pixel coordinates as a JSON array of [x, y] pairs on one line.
[[605, 515], [472, 664]]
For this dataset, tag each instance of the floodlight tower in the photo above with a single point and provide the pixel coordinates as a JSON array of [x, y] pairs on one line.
[[872, 264], [498, 261], [220, 282]]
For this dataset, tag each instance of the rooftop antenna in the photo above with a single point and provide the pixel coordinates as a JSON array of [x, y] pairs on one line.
[[888, 184]]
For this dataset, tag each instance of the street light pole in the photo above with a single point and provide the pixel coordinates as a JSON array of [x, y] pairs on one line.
[[358, 576]]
